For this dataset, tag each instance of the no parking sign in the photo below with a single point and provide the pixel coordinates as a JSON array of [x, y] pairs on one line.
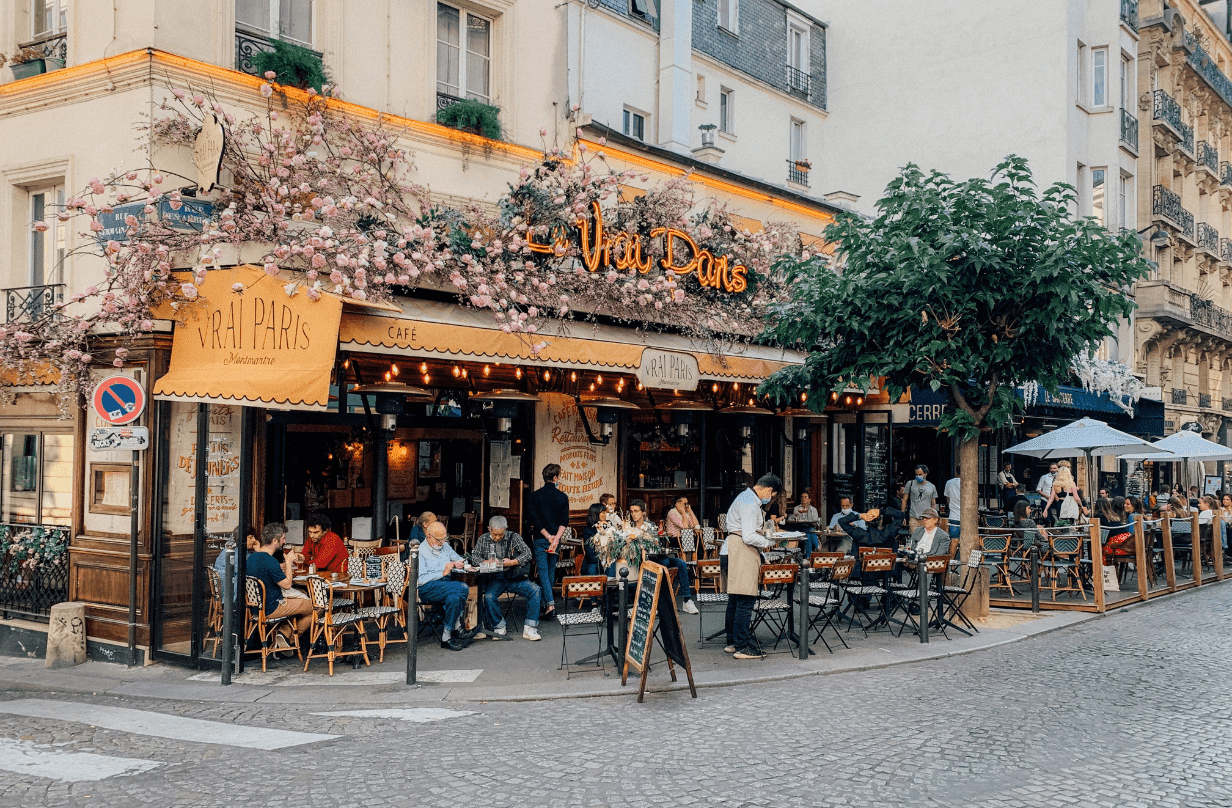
[[119, 400]]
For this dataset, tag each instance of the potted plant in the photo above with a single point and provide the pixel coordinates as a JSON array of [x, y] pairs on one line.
[[30, 62], [803, 165], [472, 116], [292, 65]]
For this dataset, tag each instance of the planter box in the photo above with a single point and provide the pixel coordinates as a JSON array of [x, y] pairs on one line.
[[35, 67]]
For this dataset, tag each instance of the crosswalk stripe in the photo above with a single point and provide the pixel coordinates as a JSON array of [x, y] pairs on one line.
[[159, 725], [23, 757], [418, 715]]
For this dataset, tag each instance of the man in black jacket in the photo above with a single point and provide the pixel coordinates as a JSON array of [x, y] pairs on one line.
[[883, 526], [547, 511]]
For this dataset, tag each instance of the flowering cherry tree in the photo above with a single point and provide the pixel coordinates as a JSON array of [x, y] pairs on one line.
[[330, 204]]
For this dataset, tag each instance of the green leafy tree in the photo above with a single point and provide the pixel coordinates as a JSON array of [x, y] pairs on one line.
[[970, 287]]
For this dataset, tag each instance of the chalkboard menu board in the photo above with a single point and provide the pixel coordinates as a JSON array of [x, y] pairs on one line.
[[841, 485], [655, 599], [876, 465], [1111, 482], [643, 615]]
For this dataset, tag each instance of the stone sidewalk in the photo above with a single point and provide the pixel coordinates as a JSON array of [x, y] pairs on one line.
[[514, 669]]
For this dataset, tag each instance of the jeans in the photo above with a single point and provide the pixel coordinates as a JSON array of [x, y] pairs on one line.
[[811, 543], [451, 594], [491, 612], [739, 620], [682, 575], [545, 563]]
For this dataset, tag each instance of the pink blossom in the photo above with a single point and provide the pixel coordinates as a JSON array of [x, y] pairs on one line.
[[41, 227], [198, 100], [95, 225], [147, 325], [314, 294], [270, 75], [189, 291], [117, 362]]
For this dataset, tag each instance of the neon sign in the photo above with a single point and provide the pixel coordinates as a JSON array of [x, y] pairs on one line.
[[623, 251]]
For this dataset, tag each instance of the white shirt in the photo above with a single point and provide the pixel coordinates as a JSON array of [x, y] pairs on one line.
[[1044, 489], [1006, 480], [745, 519], [927, 542], [834, 520], [1206, 517], [953, 496]]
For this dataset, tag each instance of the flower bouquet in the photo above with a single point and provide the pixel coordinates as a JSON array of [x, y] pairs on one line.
[[619, 541]]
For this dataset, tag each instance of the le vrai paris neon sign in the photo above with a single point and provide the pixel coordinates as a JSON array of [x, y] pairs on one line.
[[623, 251]]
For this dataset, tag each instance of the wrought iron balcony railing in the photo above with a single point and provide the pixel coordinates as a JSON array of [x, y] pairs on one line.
[[248, 45], [797, 172], [24, 304], [1225, 173], [1179, 397], [1167, 110], [1207, 69], [1207, 314], [54, 46], [1167, 204], [799, 82], [1227, 405], [1208, 238], [1129, 129], [1225, 249], [1129, 13], [1187, 138], [33, 569], [445, 100], [1204, 400], [1208, 157]]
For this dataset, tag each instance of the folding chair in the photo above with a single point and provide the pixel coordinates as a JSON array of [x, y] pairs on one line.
[[872, 564], [582, 588], [827, 603], [821, 567], [710, 574], [937, 567], [774, 605], [953, 597]]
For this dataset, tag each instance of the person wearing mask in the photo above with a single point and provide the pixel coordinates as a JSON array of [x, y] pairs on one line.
[[742, 546], [322, 546], [437, 561], [929, 539], [639, 522], [511, 552], [277, 579], [953, 503], [918, 496], [548, 512], [844, 510], [1007, 484], [1044, 489]]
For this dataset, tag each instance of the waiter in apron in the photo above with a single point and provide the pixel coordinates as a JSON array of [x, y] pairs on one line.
[[742, 547]]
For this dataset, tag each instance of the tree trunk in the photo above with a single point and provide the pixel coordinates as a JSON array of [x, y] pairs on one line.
[[976, 605]]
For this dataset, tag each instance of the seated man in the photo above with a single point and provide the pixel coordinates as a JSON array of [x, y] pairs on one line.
[[882, 526], [322, 546], [637, 516], [511, 551], [436, 561], [844, 505], [277, 579]]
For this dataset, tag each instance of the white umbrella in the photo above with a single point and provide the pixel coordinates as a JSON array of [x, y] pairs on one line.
[[1088, 437], [1185, 446]]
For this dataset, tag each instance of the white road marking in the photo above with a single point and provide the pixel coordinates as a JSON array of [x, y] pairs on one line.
[[158, 725], [419, 715], [23, 757]]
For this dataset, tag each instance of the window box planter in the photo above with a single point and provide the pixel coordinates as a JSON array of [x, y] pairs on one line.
[[34, 67]]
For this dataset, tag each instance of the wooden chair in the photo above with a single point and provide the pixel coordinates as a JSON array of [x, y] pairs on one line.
[[723, 526], [821, 565], [262, 625], [364, 548], [872, 564], [827, 603], [996, 550], [391, 608], [330, 626], [937, 567], [583, 589], [570, 547], [213, 618], [775, 602], [710, 575], [688, 546], [710, 543]]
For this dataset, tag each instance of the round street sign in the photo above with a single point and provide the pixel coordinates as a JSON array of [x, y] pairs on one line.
[[119, 400]]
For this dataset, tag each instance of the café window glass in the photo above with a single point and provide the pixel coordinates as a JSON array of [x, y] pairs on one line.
[[36, 481]]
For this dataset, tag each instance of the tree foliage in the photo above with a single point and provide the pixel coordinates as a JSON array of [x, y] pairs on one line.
[[472, 116], [292, 65], [974, 287]]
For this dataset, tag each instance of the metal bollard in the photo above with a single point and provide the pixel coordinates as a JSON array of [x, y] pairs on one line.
[[412, 614], [803, 595], [622, 618], [228, 607], [923, 587], [1035, 564]]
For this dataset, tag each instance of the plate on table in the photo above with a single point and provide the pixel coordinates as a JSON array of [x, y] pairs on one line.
[[787, 535]]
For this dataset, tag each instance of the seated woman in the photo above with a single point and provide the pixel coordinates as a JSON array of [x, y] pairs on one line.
[[1116, 529], [1206, 521], [418, 532], [594, 515], [1181, 521], [681, 517], [1031, 535]]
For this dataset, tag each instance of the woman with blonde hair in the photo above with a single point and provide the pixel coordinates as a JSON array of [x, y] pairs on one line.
[[1065, 491]]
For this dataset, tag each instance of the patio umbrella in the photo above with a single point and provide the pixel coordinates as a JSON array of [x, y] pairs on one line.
[[1089, 437], [1185, 446]]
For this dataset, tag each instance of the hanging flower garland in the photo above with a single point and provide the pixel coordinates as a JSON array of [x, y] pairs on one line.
[[329, 202]]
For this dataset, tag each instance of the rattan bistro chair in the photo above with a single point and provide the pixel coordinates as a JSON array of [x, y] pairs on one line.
[[263, 626], [382, 613], [331, 627], [213, 618], [1063, 559], [582, 588]]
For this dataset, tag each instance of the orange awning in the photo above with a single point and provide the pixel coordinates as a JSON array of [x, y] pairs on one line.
[[258, 347]]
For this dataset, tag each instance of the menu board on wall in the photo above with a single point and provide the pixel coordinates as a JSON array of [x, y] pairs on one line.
[[500, 469], [222, 469], [586, 471], [876, 465], [842, 485], [403, 463]]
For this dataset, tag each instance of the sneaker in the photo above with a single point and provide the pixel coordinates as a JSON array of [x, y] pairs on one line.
[[748, 655], [731, 649], [498, 633], [453, 644], [531, 633], [689, 607], [281, 643]]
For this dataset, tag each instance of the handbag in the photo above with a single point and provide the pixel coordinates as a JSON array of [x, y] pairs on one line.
[[1111, 584], [1069, 508]]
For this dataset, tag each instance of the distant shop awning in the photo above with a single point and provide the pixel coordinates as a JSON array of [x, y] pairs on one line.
[[432, 329], [259, 347]]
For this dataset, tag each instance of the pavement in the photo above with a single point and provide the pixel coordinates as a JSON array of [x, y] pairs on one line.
[[516, 670]]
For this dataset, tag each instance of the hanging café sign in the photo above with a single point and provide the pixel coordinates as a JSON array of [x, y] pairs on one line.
[[621, 250]]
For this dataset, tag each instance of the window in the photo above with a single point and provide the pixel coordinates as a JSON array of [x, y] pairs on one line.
[[37, 478], [1124, 208], [1099, 77], [798, 48], [48, 17], [47, 249], [645, 9], [701, 89], [799, 140], [1097, 195], [289, 20], [463, 70], [635, 124], [1081, 89], [110, 487], [726, 111], [1127, 90], [729, 15]]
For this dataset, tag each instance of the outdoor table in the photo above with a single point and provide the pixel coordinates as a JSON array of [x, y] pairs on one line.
[[833, 538], [471, 578]]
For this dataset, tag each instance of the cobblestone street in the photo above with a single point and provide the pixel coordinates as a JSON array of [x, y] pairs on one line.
[[1125, 711]]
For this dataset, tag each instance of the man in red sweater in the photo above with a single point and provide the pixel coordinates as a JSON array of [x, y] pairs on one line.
[[324, 547]]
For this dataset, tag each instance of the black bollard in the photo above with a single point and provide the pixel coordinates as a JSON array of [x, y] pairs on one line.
[[622, 618], [803, 595], [1035, 563], [412, 614], [228, 606], [923, 586]]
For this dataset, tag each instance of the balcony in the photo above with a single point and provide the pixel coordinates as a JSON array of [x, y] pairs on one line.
[[1208, 238], [54, 47], [1129, 13], [1168, 205], [1207, 314], [798, 171], [1207, 69], [1225, 173], [24, 304], [248, 45], [1129, 130], [1176, 308], [1204, 400], [1227, 405], [1225, 250], [445, 100], [1179, 396], [799, 82], [1207, 157]]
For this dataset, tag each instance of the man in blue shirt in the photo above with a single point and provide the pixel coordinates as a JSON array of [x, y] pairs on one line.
[[547, 510], [277, 579], [437, 561]]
